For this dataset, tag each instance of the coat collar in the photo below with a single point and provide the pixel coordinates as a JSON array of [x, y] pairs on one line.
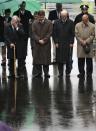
[[83, 25]]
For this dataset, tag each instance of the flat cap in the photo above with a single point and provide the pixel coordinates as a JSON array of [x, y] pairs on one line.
[[84, 7]]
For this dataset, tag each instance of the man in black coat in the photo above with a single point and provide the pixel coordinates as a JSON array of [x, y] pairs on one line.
[[14, 35], [25, 18], [7, 20], [84, 9], [55, 14], [1, 30], [63, 33]]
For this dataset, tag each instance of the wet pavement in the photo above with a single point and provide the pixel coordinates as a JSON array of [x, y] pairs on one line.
[[39, 104]]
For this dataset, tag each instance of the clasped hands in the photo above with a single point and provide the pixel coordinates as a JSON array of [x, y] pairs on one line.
[[12, 45], [83, 42], [41, 41]]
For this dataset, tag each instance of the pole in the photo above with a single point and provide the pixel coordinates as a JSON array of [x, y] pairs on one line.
[[45, 4], [14, 61]]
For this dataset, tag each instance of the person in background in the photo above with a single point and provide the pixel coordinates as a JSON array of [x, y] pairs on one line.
[[25, 19], [63, 33], [1, 31], [85, 33], [84, 10], [54, 15], [42, 30], [7, 20]]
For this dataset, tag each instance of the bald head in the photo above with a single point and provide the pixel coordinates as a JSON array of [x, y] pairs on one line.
[[64, 14], [85, 18]]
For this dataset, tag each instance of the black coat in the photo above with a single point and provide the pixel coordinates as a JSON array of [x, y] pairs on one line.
[[1, 29], [17, 38], [24, 19], [63, 34], [8, 20], [79, 18], [53, 15]]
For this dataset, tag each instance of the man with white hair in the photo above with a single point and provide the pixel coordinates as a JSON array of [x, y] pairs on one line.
[[14, 37], [63, 34]]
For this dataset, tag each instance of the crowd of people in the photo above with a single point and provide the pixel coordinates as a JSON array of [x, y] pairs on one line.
[[15, 31]]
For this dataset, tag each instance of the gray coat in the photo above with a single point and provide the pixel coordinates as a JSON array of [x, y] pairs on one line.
[[42, 53], [84, 33]]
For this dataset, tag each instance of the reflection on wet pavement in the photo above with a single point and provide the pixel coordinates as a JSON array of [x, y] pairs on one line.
[[44, 107]]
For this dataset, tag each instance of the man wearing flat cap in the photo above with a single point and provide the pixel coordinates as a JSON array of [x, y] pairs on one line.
[[84, 9]]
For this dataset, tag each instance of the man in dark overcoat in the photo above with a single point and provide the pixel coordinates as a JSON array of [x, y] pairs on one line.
[[63, 33], [42, 30], [7, 20], [14, 34], [25, 18], [55, 14], [1, 30]]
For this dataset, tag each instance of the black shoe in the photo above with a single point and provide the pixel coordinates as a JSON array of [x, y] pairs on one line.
[[37, 76], [3, 64], [20, 76], [80, 75], [47, 76], [54, 62], [11, 76], [60, 75], [67, 74], [89, 75]]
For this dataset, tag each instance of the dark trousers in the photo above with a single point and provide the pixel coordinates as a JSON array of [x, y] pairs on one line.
[[4, 53], [37, 69], [89, 65], [60, 68], [11, 66], [68, 66], [21, 66]]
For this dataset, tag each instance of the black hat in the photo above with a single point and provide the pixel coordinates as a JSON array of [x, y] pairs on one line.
[[7, 11], [84, 7]]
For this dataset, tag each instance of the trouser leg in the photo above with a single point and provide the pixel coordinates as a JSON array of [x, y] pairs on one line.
[[11, 67], [68, 66], [89, 66], [37, 70], [3, 55], [46, 69], [81, 65], [21, 66], [60, 68]]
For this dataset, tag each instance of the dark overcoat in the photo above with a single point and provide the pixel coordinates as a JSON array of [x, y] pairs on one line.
[[17, 38], [63, 34], [24, 19], [42, 53], [53, 15], [79, 18], [1, 29]]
